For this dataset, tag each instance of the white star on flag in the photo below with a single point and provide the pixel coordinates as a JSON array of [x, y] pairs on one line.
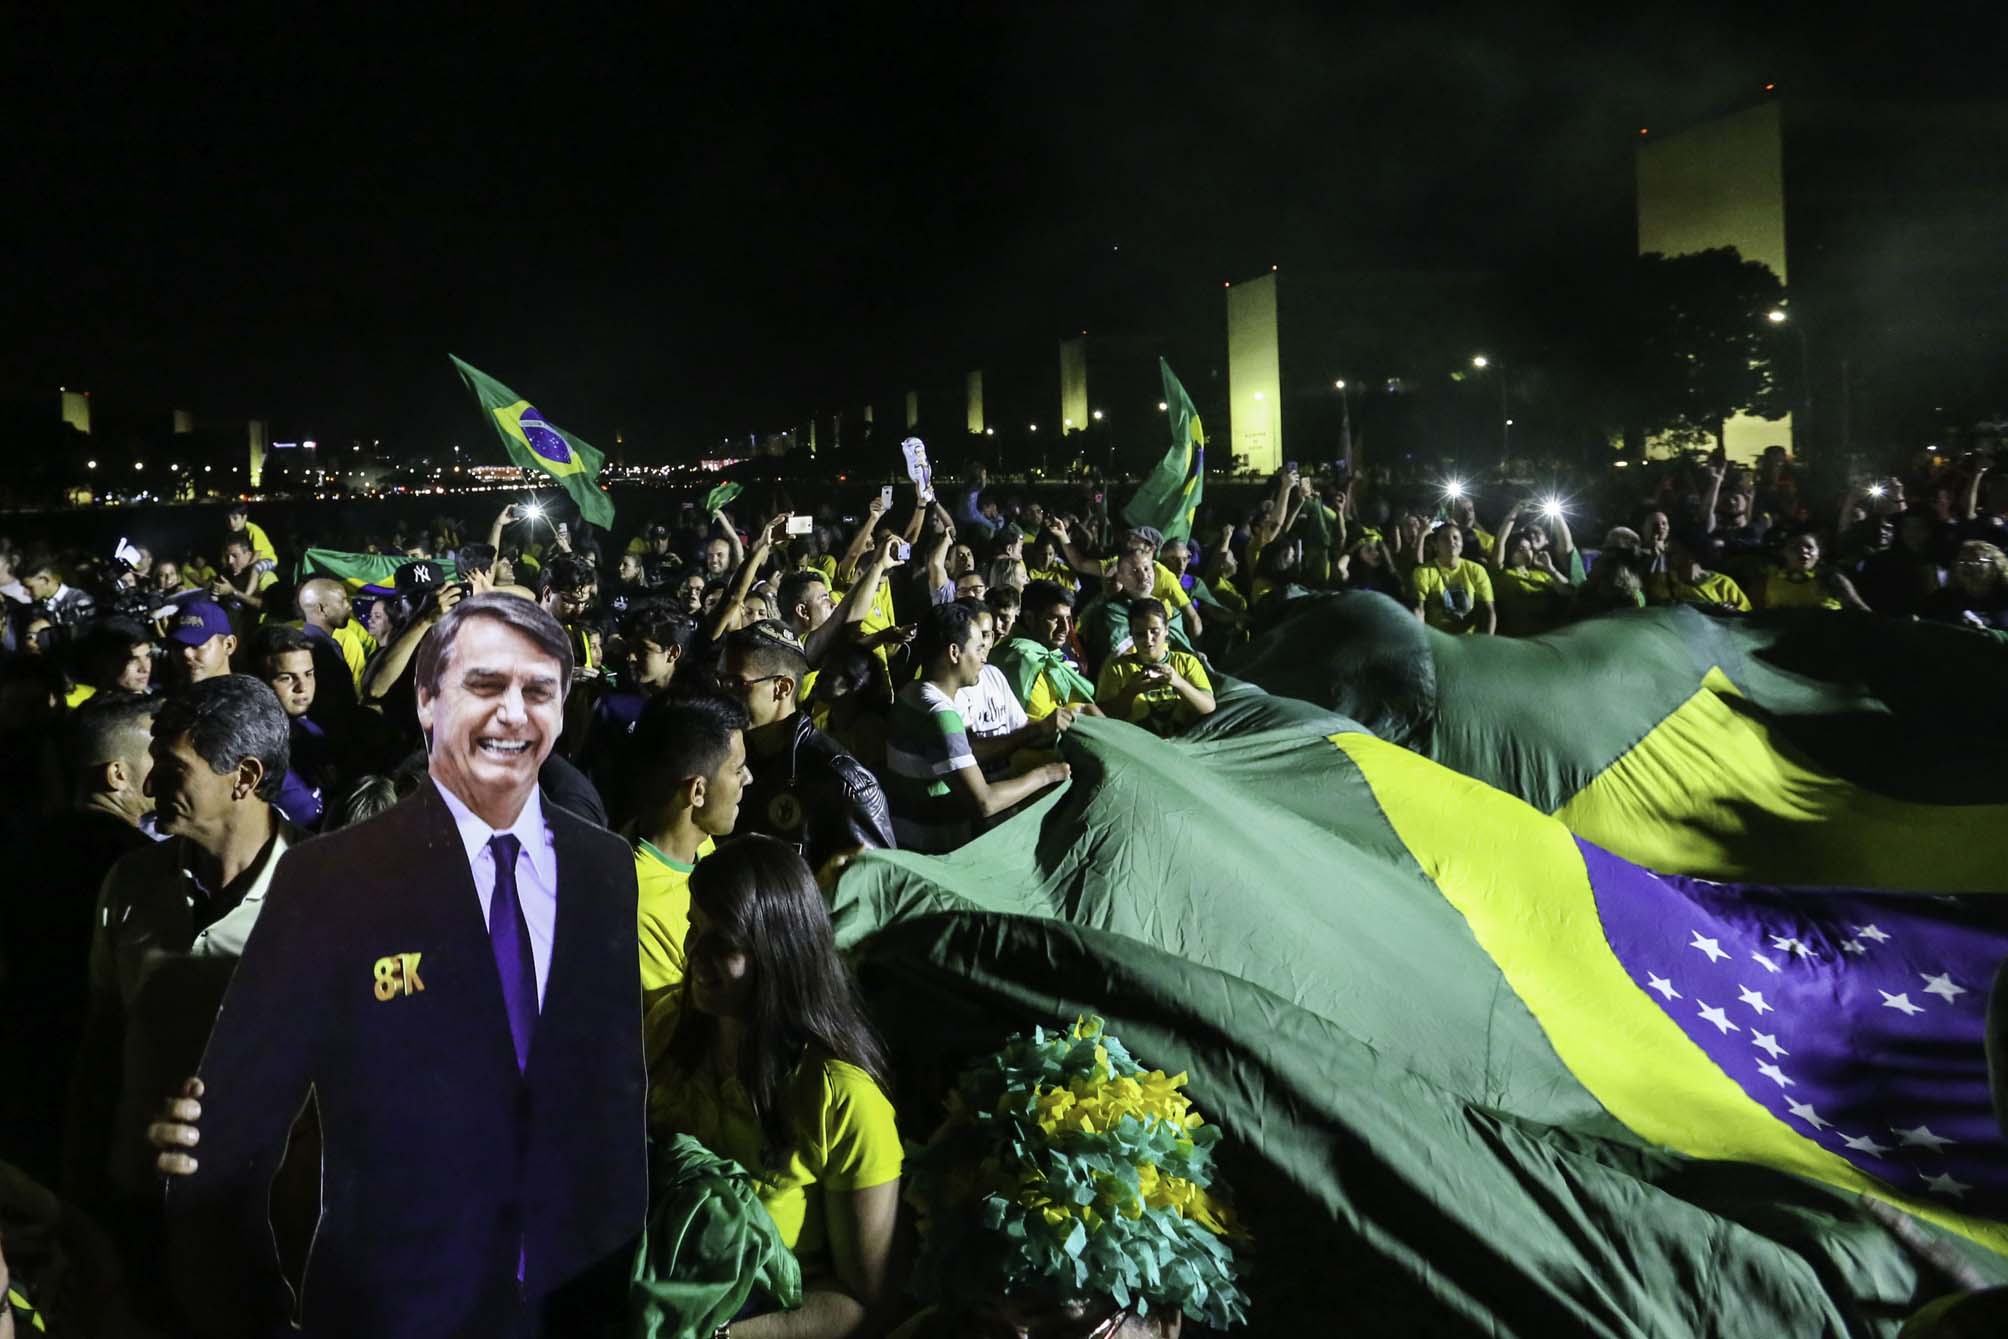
[[1764, 962], [1790, 945], [1804, 1111], [1755, 999], [1768, 1041], [1943, 1184], [1943, 985], [1712, 947], [1852, 946], [1871, 932], [1775, 1074], [1662, 985], [1921, 1137], [1864, 1144], [1717, 1016], [1899, 1002]]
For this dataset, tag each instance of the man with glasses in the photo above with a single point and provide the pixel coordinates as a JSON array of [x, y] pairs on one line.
[[805, 790]]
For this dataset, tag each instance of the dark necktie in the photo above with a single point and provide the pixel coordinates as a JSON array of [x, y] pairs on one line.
[[509, 936]]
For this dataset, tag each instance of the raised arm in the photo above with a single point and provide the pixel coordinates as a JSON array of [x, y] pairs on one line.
[[383, 672], [1717, 470], [861, 542], [856, 605], [503, 520], [1076, 559], [1973, 493], [1504, 540], [726, 616]]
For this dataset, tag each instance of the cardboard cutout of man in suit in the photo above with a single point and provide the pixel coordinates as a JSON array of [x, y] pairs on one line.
[[455, 984]]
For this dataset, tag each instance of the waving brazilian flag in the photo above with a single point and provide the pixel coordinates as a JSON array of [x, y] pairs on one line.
[[1476, 1074], [535, 443], [1169, 498]]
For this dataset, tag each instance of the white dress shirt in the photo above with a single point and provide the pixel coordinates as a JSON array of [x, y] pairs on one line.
[[536, 871]]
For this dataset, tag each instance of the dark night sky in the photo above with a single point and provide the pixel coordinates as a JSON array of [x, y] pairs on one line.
[[727, 217]]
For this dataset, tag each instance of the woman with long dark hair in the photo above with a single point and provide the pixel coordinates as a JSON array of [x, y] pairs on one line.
[[772, 1062]]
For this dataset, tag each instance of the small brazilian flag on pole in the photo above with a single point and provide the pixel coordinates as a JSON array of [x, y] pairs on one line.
[[537, 444], [1169, 498]]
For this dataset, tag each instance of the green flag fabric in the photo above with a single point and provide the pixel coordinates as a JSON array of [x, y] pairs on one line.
[[721, 496], [358, 570], [537, 444], [1450, 1104], [1168, 499], [1023, 660], [1804, 746], [709, 1247]]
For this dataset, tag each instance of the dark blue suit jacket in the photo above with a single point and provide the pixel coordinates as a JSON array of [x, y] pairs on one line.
[[439, 1157]]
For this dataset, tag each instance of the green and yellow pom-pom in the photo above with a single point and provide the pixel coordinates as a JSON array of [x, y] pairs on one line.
[[1066, 1164]]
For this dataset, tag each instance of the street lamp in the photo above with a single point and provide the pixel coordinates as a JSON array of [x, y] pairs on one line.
[[1779, 316], [1481, 362], [1096, 416], [1345, 422]]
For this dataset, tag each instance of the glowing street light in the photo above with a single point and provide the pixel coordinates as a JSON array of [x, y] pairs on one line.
[[1031, 427], [1096, 416], [1776, 316], [1162, 407], [990, 432], [1479, 360], [1339, 385], [90, 464]]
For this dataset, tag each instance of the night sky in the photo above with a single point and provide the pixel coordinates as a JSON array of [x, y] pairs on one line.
[[725, 218]]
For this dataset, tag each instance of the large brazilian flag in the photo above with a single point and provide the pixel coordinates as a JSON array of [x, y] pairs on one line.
[[535, 443], [1477, 1074], [1797, 746]]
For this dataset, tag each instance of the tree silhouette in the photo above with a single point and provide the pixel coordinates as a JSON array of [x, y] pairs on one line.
[[1705, 346]]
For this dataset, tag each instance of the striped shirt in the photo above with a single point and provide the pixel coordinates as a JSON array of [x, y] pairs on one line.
[[928, 742]]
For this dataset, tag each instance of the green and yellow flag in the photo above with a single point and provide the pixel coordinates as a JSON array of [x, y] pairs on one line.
[[535, 443], [1169, 498]]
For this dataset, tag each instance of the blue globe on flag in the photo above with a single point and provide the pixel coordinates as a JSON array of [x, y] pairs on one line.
[[543, 438]]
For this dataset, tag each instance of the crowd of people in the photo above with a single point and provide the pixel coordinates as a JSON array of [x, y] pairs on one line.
[[249, 778]]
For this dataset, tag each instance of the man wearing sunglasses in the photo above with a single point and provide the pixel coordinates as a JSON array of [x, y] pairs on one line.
[[806, 790]]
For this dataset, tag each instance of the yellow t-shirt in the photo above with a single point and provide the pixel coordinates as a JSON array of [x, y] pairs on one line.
[[1059, 576], [357, 648], [1164, 585], [195, 576], [79, 695], [826, 565], [664, 914], [848, 1139], [1713, 588], [1782, 590], [1042, 701], [1159, 710], [1448, 597], [877, 619], [261, 545]]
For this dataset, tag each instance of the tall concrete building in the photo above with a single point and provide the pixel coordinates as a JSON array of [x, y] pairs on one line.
[[1883, 220], [972, 401], [1254, 375], [255, 436], [1074, 384], [77, 409], [184, 423]]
